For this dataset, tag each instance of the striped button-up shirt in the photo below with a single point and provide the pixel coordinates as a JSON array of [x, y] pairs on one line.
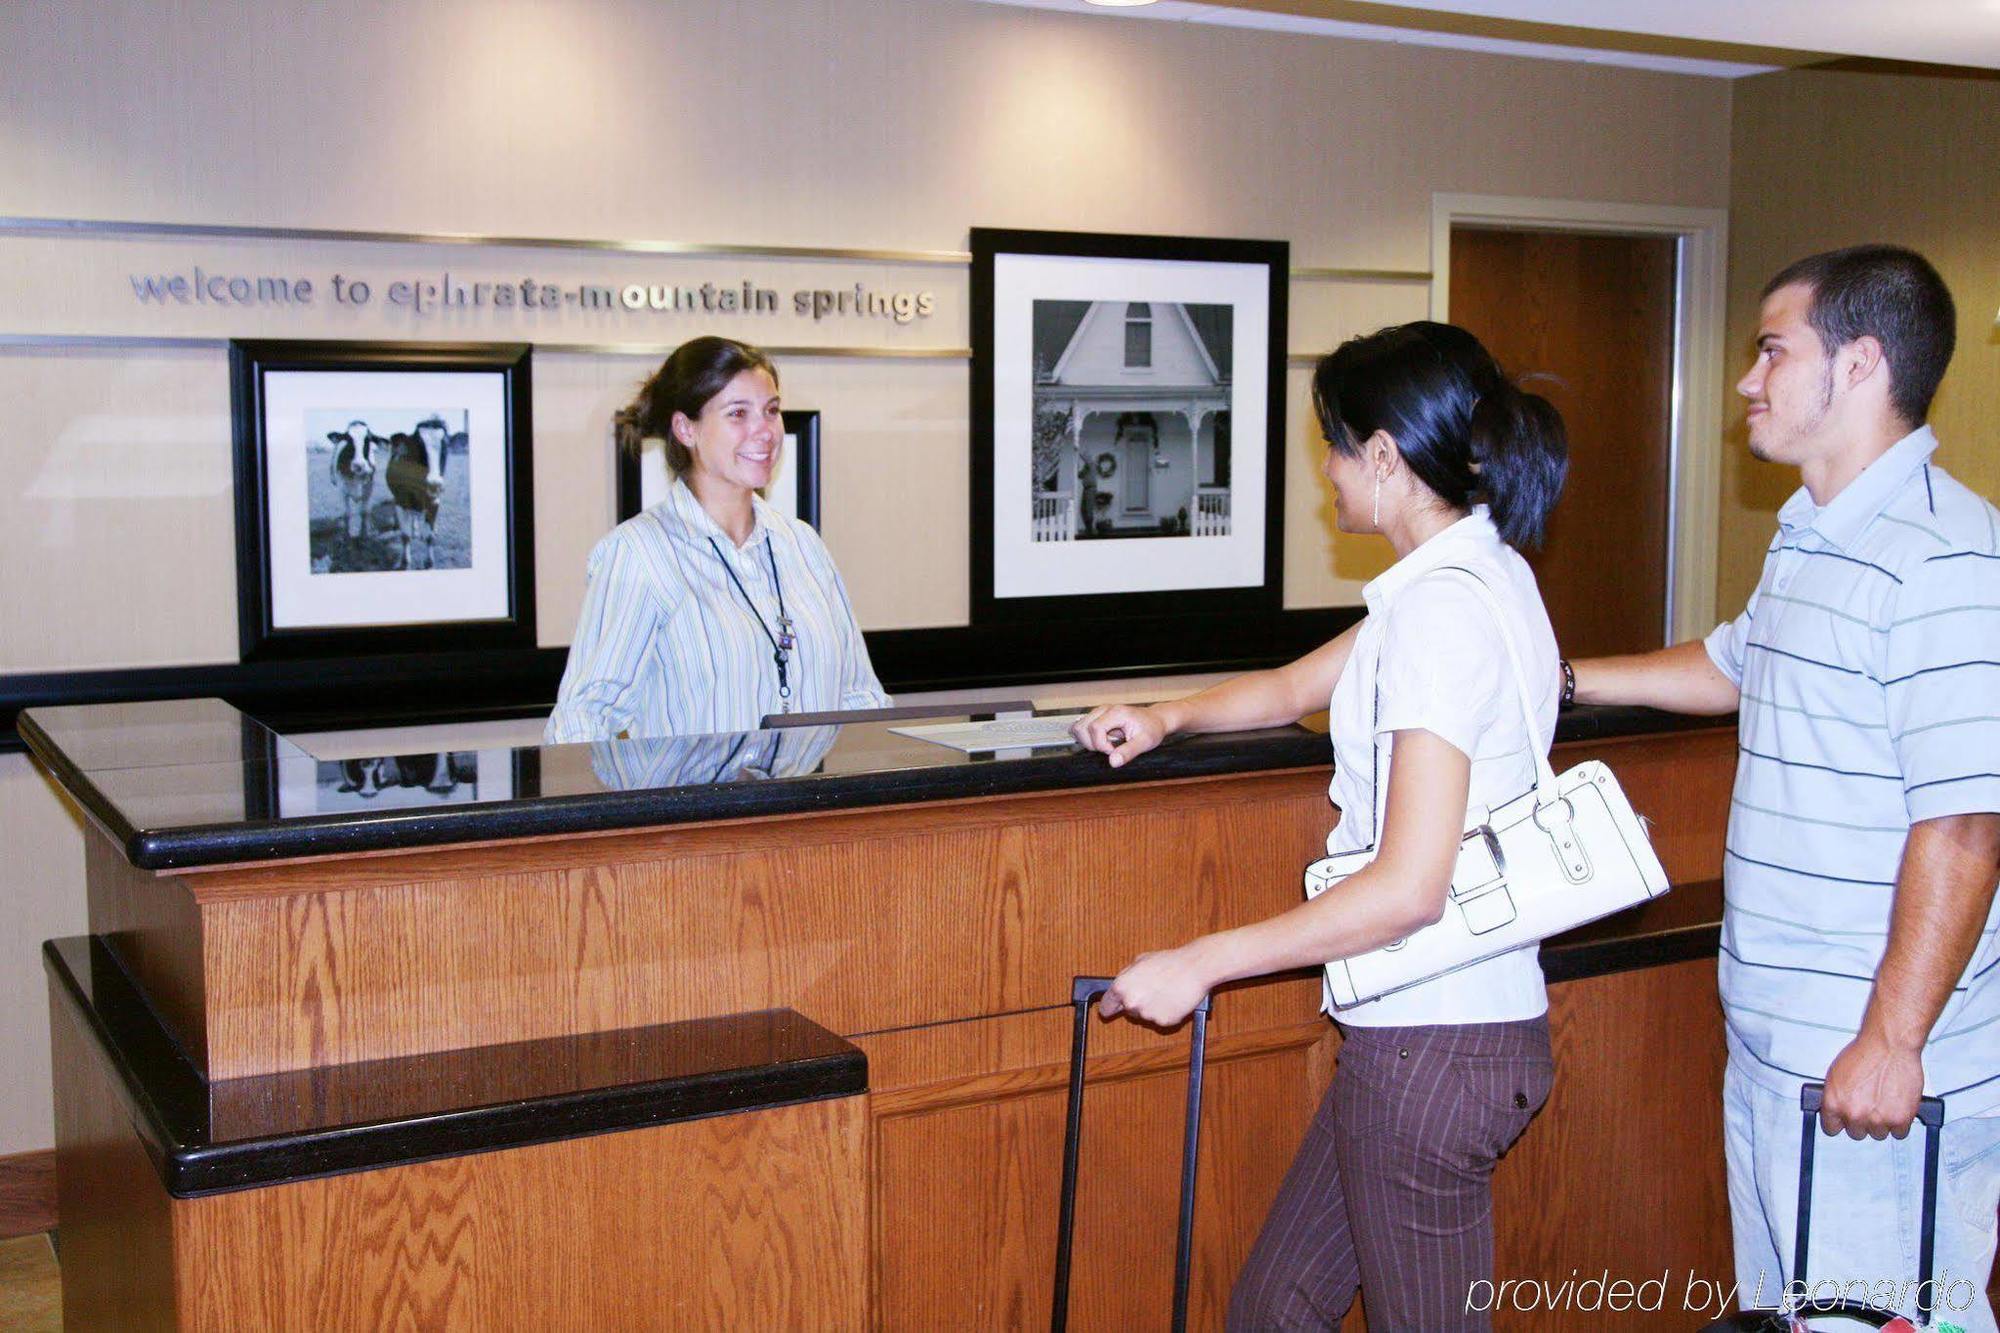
[[670, 644], [1868, 662]]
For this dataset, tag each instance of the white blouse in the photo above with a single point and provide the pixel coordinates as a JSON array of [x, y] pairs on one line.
[[1429, 657], [670, 644]]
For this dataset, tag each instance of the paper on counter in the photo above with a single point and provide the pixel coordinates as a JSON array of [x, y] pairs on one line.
[[1024, 733]]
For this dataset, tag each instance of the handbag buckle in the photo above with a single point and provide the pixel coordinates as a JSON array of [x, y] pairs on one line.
[[1486, 903], [1561, 828]]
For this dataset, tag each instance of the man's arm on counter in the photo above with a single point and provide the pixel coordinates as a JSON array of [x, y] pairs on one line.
[[1680, 679]]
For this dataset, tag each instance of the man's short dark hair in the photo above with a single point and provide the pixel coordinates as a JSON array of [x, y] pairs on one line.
[[1893, 295]]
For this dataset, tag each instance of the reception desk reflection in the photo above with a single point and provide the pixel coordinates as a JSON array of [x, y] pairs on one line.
[[689, 761], [308, 786]]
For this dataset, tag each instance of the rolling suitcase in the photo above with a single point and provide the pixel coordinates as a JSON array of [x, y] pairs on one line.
[[1930, 1111], [1083, 993]]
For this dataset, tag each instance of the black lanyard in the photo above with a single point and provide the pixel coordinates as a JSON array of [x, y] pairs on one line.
[[783, 641]]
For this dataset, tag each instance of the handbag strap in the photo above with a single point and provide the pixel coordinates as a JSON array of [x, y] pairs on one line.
[[1545, 774]]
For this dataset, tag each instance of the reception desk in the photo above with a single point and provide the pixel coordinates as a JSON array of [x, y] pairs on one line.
[[766, 1030]]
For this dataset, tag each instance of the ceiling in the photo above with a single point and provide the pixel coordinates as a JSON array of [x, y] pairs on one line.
[[1721, 38]]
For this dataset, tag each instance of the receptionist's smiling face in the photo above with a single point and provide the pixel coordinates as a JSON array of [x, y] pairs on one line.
[[737, 437]]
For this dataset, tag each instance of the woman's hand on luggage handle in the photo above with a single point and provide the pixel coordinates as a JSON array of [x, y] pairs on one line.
[[1158, 988], [1122, 731]]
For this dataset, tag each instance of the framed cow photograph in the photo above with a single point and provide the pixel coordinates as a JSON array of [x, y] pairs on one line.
[[643, 478], [1127, 428], [383, 497]]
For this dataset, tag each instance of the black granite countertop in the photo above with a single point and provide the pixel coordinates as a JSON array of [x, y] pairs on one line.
[[190, 783], [210, 1136]]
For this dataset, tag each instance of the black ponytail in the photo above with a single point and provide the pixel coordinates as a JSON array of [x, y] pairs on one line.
[[1465, 430], [1522, 451]]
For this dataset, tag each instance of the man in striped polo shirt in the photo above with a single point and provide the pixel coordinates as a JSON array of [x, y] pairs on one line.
[[1859, 941]]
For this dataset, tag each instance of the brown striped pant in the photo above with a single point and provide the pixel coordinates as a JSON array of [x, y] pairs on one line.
[[1392, 1191]]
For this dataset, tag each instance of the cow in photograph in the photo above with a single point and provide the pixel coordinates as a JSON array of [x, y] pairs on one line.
[[438, 774], [354, 474], [416, 482]]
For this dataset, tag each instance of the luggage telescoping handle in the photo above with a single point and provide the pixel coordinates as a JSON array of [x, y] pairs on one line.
[[1083, 993], [1930, 1111]]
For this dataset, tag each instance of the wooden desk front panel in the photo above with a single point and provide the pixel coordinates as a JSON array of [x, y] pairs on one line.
[[756, 1220], [968, 1124], [861, 922]]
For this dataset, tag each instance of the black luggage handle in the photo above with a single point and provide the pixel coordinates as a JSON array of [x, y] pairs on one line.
[[1930, 1113], [1083, 991]]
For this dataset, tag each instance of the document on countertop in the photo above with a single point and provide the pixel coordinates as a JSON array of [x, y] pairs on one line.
[[1013, 733]]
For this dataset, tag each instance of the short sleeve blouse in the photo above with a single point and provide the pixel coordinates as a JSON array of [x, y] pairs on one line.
[[1429, 657]]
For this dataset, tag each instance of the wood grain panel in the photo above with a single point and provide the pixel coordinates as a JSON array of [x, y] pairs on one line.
[[959, 919], [1593, 316], [967, 1197], [27, 1193], [151, 922], [746, 1221], [116, 1232], [925, 1058], [863, 922], [722, 837], [1623, 1169]]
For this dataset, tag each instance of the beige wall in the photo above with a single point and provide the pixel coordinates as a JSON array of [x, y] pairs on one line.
[[864, 123], [1823, 160]]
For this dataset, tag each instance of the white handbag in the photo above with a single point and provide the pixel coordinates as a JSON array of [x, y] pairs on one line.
[[1567, 852]]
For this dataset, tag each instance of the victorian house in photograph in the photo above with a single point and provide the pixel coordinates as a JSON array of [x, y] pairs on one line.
[[1131, 419]]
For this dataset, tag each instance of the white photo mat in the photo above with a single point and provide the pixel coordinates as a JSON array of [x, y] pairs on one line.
[[302, 600], [1023, 567]]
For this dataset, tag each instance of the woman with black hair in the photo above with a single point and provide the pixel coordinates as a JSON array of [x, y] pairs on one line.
[[710, 610], [1432, 447]]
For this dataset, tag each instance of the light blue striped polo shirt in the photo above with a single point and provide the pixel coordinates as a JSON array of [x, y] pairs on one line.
[[667, 643], [1868, 662]]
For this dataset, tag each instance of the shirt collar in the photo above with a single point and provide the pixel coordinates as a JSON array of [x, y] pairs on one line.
[[1470, 535], [1842, 519], [702, 527]]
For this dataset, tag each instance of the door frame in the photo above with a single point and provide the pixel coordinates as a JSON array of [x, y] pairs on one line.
[[1694, 433]]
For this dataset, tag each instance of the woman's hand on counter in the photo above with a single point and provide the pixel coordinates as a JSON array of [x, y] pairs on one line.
[[1122, 731], [1159, 988]]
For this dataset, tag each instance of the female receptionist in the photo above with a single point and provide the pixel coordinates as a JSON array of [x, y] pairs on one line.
[[710, 610]]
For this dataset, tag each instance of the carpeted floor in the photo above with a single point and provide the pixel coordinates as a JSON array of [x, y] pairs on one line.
[[30, 1286]]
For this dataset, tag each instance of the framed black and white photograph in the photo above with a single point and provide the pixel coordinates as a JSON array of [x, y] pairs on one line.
[[383, 497], [794, 488], [1127, 425]]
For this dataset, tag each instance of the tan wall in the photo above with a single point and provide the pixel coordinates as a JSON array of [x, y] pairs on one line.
[[864, 123], [1823, 160]]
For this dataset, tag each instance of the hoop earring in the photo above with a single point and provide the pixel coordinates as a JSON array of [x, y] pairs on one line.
[[1375, 520]]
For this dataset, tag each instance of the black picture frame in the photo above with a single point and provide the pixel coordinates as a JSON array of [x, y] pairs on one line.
[[252, 364], [801, 427], [1062, 618]]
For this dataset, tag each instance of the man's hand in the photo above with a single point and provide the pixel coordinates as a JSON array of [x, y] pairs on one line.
[[1872, 1089]]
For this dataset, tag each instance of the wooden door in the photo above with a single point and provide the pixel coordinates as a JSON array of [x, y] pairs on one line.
[[1591, 318]]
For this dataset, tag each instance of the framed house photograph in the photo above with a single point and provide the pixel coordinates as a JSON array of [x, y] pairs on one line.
[[1127, 425], [794, 488], [383, 497]]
